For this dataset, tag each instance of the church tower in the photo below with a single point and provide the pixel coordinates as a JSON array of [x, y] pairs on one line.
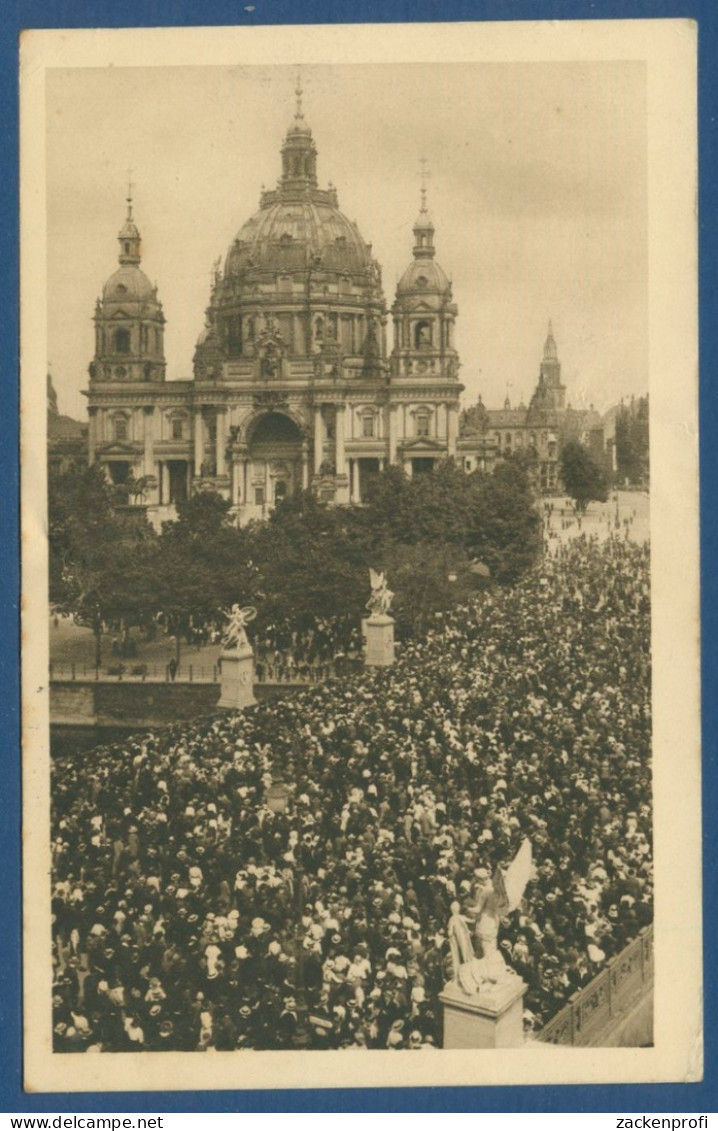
[[132, 410], [129, 323], [424, 363], [553, 392]]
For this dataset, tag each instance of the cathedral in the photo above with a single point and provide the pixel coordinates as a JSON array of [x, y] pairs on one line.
[[293, 383]]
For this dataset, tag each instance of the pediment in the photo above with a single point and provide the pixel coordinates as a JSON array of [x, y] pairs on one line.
[[117, 448], [423, 444]]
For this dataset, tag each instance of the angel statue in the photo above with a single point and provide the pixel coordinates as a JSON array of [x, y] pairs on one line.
[[235, 635], [495, 898], [381, 596]]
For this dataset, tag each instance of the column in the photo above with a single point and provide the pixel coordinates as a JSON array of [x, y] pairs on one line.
[[161, 481], [221, 442], [340, 457], [245, 480], [354, 473], [267, 484], [234, 482], [91, 435], [305, 465], [317, 438], [297, 344], [392, 433], [451, 429], [198, 441], [148, 439]]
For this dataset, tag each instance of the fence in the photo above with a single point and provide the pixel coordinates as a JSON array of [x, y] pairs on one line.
[[134, 672], [606, 998]]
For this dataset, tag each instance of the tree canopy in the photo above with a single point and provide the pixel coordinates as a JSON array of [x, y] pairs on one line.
[[102, 554], [632, 442], [583, 477], [309, 560]]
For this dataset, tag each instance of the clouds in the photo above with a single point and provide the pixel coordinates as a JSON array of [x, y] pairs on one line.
[[537, 191]]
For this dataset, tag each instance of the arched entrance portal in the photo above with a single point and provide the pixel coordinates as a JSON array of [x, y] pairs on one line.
[[275, 451]]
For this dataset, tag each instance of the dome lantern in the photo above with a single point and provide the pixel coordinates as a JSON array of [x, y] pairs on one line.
[[423, 228], [299, 154], [129, 236]]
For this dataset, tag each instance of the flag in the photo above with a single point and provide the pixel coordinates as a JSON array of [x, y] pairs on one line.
[[517, 875]]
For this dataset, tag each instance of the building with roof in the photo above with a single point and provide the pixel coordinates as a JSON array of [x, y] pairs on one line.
[[539, 430], [293, 384]]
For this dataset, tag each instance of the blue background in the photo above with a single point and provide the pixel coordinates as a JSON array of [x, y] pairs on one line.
[[121, 13]]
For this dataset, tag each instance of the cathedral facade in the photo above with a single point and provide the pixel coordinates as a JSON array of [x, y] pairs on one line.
[[293, 385]]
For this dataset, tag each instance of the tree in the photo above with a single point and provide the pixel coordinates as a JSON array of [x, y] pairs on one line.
[[632, 441], [425, 508], [424, 531], [505, 528], [583, 477], [428, 579], [101, 554], [312, 559], [204, 564]]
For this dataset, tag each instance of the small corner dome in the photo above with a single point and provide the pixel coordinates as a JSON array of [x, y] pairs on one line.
[[207, 336], [423, 275], [128, 284]]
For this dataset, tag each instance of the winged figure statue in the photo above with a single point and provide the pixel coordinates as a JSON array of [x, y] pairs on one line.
[[381, 597], [497, 897], [235, 634]]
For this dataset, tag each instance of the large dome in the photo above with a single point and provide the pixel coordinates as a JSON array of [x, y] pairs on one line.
[[289, 235], [298, 278]]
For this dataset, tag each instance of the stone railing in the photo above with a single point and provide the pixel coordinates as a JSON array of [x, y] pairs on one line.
[[592, 1010]]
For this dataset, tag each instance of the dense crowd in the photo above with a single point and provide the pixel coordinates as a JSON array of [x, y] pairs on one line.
[[320, 648], [187, 914]]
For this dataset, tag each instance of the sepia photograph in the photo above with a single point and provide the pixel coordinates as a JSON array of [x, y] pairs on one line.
[[353, 475]]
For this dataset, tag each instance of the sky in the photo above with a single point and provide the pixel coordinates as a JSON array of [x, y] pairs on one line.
[[537, 190]]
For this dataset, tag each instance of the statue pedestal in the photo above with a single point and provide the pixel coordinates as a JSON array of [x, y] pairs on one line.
[[492, 1019], [378, 635], [237, 678]]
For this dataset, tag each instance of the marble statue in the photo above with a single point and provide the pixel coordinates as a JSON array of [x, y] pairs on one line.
[[235, 634], [381, 596], [493, 899]]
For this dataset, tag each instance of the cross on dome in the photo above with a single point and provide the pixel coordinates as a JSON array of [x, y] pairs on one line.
[[425, 176], [130, 186], [299, 92]]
